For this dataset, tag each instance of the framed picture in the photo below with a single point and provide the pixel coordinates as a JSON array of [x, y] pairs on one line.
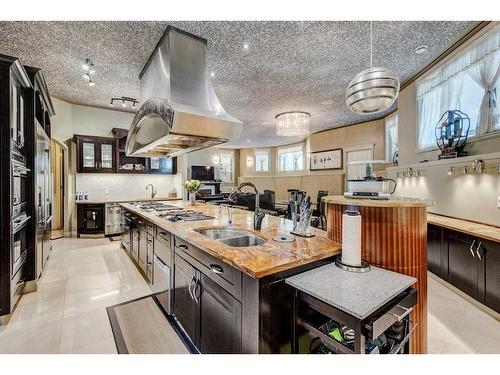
[[329, 159]]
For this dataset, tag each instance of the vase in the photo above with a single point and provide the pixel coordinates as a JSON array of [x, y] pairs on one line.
[[192, 198]]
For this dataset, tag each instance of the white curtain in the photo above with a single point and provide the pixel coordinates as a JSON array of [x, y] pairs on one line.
[[486, 73], [443, 90]]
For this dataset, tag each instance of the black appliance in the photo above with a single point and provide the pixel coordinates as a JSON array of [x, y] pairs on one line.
[[15, 91], [90, 219], [203, 172]]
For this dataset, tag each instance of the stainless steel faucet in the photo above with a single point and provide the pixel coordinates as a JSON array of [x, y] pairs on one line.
[[153, 191], [259, 214], [229, 213]]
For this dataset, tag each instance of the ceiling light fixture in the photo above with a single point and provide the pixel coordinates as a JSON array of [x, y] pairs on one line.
[[450, 171], [125, 100], [374, 89], [293, 123], [245, 46], [212, 74], [88, 66], [464, 170], [421, 49], [248, 141]]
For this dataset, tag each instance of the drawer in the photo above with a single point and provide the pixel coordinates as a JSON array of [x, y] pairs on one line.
[[222, 273], [163, 236], [150, 228], [163, 252], [18, 282], [402, 307]]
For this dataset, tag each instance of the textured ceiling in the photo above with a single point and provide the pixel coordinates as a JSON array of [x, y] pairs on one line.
[[288, 65]]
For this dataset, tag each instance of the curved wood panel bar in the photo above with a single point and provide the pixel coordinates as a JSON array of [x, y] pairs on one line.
[[394, 237]]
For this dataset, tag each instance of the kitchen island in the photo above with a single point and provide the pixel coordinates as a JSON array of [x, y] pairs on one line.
[[229, 299], [394, 237]]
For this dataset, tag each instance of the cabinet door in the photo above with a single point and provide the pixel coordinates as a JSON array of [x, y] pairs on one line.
[[462, 263], [220, 326], [435, 250], [88, 155], [491, 260], [186, 309], [142, 249], [107, 155]]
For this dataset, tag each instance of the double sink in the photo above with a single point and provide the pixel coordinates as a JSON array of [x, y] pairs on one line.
[[230, 236]]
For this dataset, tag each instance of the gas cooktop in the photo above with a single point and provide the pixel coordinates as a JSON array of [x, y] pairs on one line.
[[184, 215]]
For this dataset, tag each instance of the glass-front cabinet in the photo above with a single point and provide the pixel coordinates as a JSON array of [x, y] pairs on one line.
[[95, 154]]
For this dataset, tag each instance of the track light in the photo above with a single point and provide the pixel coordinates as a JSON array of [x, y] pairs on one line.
[[450, 171], [88, 66], [91, 83], [125, 101], [464, 170]]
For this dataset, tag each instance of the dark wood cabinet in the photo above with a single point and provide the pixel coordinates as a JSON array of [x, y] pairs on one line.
[[462, 262], [220, 326], [491, 267], [90, 218], [469, 263], [95, 154], [185, 306], [435, 250]]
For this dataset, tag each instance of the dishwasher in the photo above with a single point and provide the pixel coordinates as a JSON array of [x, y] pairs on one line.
[[161, 284]]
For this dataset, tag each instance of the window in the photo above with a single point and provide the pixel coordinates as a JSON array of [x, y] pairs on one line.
[[226, 167], [291, 159], [261, 161], [391, 136], [468, 82]]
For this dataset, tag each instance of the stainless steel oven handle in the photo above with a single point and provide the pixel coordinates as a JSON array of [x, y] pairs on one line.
[[478, 252], [471, 250], [18, 223]]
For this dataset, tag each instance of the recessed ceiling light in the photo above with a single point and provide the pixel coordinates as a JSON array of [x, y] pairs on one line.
[[327, 102], [245, 46], [421, 49], [248, 141], [212, 74]]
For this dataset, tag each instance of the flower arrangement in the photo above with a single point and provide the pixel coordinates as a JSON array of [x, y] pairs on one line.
[[192, 186]]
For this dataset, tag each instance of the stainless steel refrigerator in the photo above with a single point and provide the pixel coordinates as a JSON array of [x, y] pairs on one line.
[[43, 199]]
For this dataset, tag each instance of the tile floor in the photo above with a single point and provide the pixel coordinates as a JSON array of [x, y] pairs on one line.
[[84, 276]]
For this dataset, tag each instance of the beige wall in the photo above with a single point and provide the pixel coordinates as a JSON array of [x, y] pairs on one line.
[[369, 133], [470, 197]]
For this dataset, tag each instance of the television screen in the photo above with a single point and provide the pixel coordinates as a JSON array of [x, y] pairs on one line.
[[202, 172]]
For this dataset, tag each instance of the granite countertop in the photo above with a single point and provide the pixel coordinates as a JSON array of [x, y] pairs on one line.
[[358, 294], [256, 261], [393, 202], [127, 200], [488, 232]]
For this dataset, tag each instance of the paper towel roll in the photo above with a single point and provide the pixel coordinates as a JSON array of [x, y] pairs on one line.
[[351, 238]]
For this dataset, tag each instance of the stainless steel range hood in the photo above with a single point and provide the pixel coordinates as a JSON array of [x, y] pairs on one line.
[[180, 111]]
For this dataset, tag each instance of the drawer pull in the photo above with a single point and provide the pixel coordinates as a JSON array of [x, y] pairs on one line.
[[183, 247], [407, 311], [163, 234], [477, 251], [215, 268], [471, 250]]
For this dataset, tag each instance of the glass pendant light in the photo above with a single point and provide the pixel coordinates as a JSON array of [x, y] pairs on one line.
[[292, 123]]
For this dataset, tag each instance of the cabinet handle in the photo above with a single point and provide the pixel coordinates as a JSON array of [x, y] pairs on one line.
[[478, 253], [197, 286], [183, 247], [150, 242], [471, 250], [215, 268], [162, 233], [189, 288]]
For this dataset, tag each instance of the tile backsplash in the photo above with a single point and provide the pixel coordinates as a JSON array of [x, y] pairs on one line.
[[103, 186]]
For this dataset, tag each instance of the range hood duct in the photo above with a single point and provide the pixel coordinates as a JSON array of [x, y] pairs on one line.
[[180, 111]]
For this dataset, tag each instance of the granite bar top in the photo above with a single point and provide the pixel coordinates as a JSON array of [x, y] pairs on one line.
[[127, 200], [488, 232], [256, 261], [358, 294], [393, 202]]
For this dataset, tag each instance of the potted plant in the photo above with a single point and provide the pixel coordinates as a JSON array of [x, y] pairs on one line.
[[192, 186]]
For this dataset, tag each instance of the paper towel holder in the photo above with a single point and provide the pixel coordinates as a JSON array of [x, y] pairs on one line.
[[364, 267]]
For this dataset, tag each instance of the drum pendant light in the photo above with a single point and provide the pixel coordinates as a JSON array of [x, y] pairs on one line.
[[374, 89]]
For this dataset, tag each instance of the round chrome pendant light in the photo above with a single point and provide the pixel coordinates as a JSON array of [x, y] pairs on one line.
[[292, 124], [374, 89]]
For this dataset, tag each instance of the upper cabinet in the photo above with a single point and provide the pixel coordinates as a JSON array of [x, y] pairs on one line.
[[107, 155], [95, 154]]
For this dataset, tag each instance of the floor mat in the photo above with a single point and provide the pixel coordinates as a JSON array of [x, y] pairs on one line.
[[141, 327]]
